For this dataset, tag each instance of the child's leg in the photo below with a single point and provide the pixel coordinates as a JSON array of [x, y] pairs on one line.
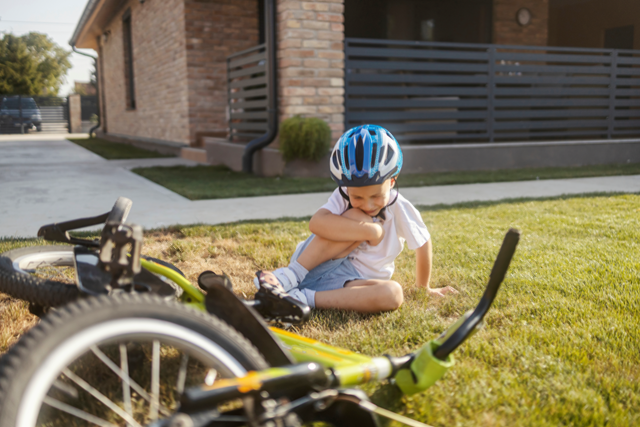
[[320, 249], [366, 296]]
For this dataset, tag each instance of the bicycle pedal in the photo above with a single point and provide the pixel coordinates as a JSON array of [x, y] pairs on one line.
[[208, 279]]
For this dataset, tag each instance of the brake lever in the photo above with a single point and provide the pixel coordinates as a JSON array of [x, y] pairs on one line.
[[496, 277]]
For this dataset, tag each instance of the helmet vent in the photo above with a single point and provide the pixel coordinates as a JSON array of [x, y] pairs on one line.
[[372, 132], [346, 158], [335, 158], [374, 152], [390, 153], [359, 153]]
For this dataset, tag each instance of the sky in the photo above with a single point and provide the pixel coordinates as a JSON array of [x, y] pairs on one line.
[[57, 19]]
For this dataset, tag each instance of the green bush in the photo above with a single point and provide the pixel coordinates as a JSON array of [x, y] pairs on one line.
[[304, 138]]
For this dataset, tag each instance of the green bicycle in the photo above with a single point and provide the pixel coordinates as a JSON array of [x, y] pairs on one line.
[[135, 358]]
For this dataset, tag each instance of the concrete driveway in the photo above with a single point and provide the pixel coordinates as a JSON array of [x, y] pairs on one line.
[[45, 179]]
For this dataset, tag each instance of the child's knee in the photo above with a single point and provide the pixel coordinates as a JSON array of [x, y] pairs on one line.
[[392, 297], [357, 215]]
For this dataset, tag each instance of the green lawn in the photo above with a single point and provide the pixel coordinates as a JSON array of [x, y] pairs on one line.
[[560, 346], [218, 182], [115, 151]]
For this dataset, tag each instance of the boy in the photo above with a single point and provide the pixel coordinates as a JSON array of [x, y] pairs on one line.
[[347, 262]]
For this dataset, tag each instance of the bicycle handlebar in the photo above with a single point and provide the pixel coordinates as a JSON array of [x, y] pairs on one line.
[[495, 279]]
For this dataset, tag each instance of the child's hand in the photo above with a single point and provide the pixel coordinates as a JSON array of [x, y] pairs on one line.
[[378, 233], [441, 292]]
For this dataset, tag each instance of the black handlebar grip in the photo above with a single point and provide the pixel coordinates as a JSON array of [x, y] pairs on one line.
[[500, 267]]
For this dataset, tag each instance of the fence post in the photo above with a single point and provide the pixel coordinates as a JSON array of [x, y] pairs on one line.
[[20, 113], [75, 114], [491, 91], [612, 93]]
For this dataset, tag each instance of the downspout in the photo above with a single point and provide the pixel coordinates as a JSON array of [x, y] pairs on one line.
[[272, 81], [95, 64]]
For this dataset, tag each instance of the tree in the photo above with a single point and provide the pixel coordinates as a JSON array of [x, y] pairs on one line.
[[32, 64]]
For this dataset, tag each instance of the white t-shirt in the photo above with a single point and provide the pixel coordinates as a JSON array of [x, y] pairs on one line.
[[403, 223]]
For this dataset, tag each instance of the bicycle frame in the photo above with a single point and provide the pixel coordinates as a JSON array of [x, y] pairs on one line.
[[349, 368]]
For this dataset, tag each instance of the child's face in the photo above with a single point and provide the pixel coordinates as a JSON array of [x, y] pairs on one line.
[[371, 199]]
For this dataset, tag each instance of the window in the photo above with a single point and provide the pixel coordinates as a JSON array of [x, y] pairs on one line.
[[128, 61]]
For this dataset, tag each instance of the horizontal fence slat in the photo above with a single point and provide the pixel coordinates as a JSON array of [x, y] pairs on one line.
[[252, 93], [551, 57], [416, 66], [551, 102], [553, 69], [626, 132], [258, 69], [417, 90], [516, 80], [249, 115], [627, 92], [550, 124], [547, 91], [516, 114], [248, 126], [441, 136], [258, 81], [416, 78], [247, 60], [435, 127], [622, 81], [254, 104], [435, 102], [626, 123], [628, 60], [557, 134], [415, 53], [384, 116]]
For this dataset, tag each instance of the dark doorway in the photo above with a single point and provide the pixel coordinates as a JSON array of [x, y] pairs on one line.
[[619, 37], [462, 21]]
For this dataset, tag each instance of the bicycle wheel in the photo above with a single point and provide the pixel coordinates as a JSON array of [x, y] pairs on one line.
[[116, 361]]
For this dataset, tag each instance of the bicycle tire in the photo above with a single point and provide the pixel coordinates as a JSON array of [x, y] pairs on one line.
[[30, 369], [15, 282]]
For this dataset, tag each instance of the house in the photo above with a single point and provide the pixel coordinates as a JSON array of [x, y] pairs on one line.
[[463, 84]]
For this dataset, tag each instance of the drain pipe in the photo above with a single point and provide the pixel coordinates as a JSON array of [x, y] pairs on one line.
[[95, 64], [272, 103]]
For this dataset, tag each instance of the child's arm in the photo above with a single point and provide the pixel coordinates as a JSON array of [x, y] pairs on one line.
[[424, 256], [341, 229]]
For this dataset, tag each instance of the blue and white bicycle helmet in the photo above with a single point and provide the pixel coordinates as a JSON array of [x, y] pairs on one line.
[[365, 155]]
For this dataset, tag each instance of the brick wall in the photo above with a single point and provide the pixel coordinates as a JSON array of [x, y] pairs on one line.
[[160, 73], [311, 60], [506, 30], [214, 30]]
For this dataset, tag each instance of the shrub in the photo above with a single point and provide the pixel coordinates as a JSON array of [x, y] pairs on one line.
[[304, 138]]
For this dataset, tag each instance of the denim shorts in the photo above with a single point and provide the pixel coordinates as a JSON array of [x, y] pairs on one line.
[[329, 275]]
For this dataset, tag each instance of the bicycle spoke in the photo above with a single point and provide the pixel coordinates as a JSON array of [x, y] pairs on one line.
[[126, 387], [65, 388], [182, 374], [100, 397], [125, 377], [76, 412], [155, 381]]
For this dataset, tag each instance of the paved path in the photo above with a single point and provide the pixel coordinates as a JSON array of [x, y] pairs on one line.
[[45, 179]]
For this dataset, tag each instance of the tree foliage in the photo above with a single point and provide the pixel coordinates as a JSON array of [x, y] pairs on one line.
[[32, 64]]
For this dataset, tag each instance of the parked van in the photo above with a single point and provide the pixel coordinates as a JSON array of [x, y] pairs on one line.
[[10, 115]]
